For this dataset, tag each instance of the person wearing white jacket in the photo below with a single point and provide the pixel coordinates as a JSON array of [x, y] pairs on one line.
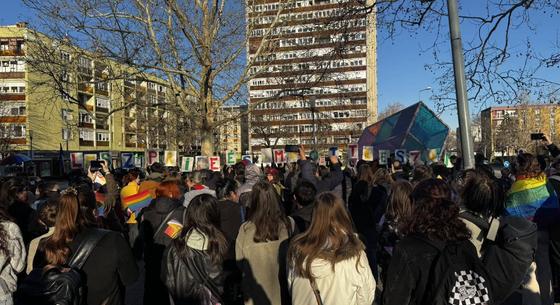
[[327, 264], [12, 257]]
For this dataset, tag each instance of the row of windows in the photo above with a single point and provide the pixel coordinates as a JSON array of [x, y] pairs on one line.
[[12, 45], [318, 115], [337, 25], [307, 66], [313, 91], [299, 16], [13, 131], [310, 128], [300, 54], [12, 89], [308, 41], [307, 104], [12, 66], [12, 109]]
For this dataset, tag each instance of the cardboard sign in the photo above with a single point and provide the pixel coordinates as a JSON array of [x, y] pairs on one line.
[[432, 155], [279, 156], [414, 156], [214, 163], [333, 151], [187, 164], [247, 157], [127, 160], [400, 155], [322, 161], [202, 162], [106, 156], [292, 157], [384, 156], [153, 156], [77, 160], [170, 158], [266, 155], [139, 160], [367, 153], [88, 158], [353, 151], [231, 157]]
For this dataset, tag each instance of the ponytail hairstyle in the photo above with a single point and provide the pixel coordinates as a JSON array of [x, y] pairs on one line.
[[70, 221], [204, 217], [435, 214]]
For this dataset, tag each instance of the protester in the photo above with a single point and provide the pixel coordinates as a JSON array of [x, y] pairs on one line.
[[304, 196], [47, 216], [327, 263], [257, 246], [533, 198], [12, 255], [435, 220], [310, 172], [13, 195], [232, 214], [156, 234], [109, 267], [253, 175], [421, 173], [44, 191], [154, 178], [197, 185], [367, 204], [193, 263], [399, 211]]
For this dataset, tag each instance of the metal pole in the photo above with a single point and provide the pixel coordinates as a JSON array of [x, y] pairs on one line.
[[460, 86], [314, 125]]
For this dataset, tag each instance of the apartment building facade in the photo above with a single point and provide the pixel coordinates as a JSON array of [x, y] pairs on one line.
[[37, 120], [317, 82], [233, 134], [506, 130]]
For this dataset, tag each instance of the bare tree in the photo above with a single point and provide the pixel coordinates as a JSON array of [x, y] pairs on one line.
[[391, 109], [499, 64]]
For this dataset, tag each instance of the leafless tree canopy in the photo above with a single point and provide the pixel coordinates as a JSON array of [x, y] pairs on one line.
[[499, 67]]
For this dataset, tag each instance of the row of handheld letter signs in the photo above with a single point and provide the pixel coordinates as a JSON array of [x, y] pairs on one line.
[[268, 155]]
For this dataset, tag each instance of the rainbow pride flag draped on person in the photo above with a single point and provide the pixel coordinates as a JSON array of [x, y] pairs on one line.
[[138, 201], [533, 199]]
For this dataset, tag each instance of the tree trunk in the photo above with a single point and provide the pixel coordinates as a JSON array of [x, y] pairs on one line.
[[207, 142]]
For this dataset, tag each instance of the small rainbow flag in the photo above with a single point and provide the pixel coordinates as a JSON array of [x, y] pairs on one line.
[[173, 229], [138, 201]]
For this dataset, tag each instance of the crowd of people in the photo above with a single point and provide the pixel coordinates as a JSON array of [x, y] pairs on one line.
[[298, 233]]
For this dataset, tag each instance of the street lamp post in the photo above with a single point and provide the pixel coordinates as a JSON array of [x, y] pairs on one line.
[[31, 144], [313, 109], [460, 86]]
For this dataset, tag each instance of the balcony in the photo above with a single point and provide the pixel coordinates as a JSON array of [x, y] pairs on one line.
[[12, 96], [102, 143], [102, 92], [85, 125], [12, 53], [85, 88], [101, 109], [9, 75], [86, 143]]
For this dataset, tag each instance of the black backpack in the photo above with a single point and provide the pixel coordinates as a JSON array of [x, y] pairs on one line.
[[457, 276], [508, 251], [60, 285]]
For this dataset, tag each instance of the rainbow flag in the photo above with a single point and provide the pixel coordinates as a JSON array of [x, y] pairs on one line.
[[533, 199], [138, 201]]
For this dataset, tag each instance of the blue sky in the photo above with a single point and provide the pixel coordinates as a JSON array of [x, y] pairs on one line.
[[401, 61]]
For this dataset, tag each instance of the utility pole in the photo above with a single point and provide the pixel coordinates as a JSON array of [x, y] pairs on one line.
[[460, 86], [312, 101]]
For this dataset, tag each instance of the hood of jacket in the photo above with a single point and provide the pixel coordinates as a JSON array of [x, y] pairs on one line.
[[164, 205], [189, 196], [196, 240], [252, 176]]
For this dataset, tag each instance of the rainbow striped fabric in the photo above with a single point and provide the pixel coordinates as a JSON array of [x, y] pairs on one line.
[[138, 201], [533, 199]]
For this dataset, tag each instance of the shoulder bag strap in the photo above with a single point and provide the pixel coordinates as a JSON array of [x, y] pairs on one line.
[[163, 222], [316, 291], [86, 247]]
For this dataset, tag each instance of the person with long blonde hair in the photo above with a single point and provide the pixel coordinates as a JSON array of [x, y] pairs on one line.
[[327, 263]]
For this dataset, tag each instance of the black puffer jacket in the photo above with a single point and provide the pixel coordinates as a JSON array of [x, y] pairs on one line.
[[179, 271]]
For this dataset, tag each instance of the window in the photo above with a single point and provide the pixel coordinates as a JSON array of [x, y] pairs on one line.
[[12, 109], [67, 115], [17, 131], [86, 135], [102, 103], [102, 137], [85, 118], [84, 62], [65, 56], [66, 134]]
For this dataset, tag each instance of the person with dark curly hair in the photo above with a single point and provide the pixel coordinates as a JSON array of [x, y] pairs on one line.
[[436, 218]]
